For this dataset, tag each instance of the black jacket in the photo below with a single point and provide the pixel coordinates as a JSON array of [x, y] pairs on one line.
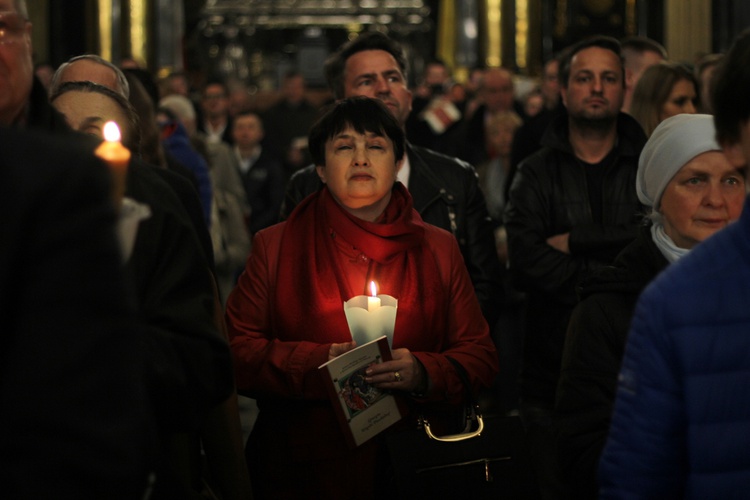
[[528, 139], [446, 194], [187, 367], [594, 347], [70, 352], [550, 196], [264, 188]]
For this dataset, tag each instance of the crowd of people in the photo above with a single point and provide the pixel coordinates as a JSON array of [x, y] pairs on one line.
[[579, 252]]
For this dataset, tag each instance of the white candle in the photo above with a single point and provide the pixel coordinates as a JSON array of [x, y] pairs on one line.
[[373, 301], [370, 315], [117, 157]]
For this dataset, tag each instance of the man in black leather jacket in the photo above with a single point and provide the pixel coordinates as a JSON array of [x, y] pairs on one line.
[[444, 189], [571, 209]]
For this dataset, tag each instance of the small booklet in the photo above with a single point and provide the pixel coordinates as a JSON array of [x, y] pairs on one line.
[[440, 114], [362, 409]]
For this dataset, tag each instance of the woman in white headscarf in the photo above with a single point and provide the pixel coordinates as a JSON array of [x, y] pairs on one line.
[[692, 191]]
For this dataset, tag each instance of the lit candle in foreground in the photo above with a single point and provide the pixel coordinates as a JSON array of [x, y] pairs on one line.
[[371, 316], [117, 157], [373, 301]]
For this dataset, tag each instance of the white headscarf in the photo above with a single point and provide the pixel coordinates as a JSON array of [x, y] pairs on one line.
[[674, 142]]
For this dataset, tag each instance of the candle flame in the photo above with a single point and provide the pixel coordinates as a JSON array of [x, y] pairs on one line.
[[111, 132], [373, 290]]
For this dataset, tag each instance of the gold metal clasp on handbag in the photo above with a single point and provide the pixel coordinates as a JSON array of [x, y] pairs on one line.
[[452, 438]]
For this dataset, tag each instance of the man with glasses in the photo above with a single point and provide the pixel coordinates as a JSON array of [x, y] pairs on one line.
[[215, 122]]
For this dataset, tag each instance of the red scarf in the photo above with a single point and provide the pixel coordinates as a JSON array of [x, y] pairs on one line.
[[311, 285]]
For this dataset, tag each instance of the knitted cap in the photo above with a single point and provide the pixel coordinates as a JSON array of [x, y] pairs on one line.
[[675, 142]]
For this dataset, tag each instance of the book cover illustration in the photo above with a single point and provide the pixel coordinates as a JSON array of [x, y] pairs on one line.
[[356, 393], [362, 409]]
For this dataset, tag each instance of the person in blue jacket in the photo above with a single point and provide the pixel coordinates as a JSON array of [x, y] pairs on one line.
[[691, 191], [681, 424]]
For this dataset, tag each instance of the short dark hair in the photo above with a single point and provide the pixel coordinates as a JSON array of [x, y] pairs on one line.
[[601, 41], [731, 100], [216, 81], [643, 44], [436, 62], [145, 80], [247, 112], [707, 61], [373, 40], [362, 114]]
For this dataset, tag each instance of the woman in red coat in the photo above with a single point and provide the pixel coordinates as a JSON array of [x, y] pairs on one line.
[[286, 314]]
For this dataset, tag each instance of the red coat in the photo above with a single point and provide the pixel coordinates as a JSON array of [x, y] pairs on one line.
[[296, 424]]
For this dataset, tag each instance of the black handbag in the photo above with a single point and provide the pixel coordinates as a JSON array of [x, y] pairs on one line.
[[487, 460]]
